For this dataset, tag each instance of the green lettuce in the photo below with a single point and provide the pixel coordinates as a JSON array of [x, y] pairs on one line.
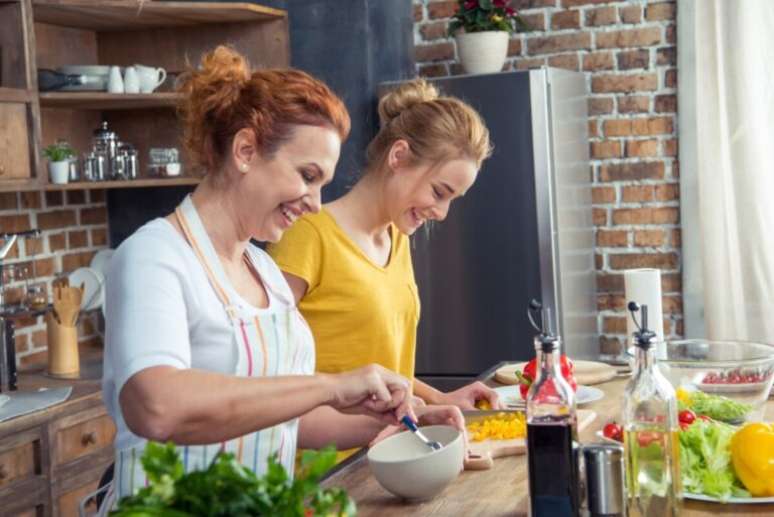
[[716, 407], [705, 460]]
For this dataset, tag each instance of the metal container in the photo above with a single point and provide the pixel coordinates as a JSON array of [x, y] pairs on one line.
[[605, 479], [128, 156], [74, 173], [94, 166], [105, 141]]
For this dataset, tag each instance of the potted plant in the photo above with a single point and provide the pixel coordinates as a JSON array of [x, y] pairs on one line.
[[59, 155], [481, 29]]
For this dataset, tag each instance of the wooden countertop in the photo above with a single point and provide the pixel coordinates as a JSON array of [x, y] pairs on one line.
[[503, 489], [86, 393]]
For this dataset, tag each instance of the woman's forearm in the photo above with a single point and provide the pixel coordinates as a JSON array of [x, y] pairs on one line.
[[324, 426], [198, 407], [426, 392]]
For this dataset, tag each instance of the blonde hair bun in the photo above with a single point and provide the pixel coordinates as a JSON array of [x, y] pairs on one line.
[[404, 97]]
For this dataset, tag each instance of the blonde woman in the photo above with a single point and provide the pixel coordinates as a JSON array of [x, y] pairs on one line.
[[349, 266]]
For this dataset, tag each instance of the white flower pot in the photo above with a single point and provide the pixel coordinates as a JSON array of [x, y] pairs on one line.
[[482, 52], [59, 172]]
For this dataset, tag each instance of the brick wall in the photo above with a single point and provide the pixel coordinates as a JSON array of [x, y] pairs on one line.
[[74, 228], [627, 49]]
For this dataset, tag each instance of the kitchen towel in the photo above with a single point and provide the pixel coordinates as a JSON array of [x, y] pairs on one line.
[[644, 287]]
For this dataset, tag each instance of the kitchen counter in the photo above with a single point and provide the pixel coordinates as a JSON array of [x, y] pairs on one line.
[[503, 489]]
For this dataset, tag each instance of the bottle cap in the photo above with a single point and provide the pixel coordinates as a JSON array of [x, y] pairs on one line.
[[546, 340], [643, 337]]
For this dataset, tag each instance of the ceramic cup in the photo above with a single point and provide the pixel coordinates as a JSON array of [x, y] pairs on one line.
[[115, 81], [150, 78], [131, 80]]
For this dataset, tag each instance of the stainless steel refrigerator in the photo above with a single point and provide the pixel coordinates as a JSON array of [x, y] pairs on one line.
[[523, 231]]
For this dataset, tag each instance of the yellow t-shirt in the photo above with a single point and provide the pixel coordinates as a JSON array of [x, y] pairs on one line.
[[359, 312]]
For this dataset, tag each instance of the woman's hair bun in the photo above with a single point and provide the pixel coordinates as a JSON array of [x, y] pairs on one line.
[[404, 97], [216, 84]]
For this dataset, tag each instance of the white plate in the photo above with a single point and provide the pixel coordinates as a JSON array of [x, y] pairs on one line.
[[101, 261], [584, 395], [85, 69], [93, 281], [730, 500], [601, 436]]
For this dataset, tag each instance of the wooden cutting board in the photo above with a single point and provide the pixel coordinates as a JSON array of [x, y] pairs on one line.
[[586, 372], [483, 454]]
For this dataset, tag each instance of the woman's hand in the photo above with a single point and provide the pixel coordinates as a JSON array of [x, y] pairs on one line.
[[466, 397], [372, 390], [429, 415]]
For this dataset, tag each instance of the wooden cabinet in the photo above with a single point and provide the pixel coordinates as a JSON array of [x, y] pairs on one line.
[[38, 34], [50, 460]]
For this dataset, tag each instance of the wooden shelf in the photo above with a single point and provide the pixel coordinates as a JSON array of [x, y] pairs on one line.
[[15, 95], [151, 182], [107, 101], [113, 15]]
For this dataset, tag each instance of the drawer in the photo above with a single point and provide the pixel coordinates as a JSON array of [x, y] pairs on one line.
[[67, 503], [19, 458], [84, 434], [14, 142]]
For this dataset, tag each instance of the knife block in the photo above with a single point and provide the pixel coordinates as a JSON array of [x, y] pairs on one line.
[[63, 358]]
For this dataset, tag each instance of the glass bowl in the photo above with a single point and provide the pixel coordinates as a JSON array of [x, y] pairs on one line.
[[737, 370]]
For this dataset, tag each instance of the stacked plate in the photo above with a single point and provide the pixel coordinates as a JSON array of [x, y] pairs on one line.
[[96, 77]]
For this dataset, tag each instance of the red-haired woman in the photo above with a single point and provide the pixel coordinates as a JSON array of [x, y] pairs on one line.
[[204, 345]]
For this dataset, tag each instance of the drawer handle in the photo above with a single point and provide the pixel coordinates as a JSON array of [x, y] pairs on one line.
[[3, 472], [89, 438]]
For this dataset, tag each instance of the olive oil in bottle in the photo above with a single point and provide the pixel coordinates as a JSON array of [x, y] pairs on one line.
[[650, 433]]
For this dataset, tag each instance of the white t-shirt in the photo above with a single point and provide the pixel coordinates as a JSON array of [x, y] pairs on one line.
[[161, 309]]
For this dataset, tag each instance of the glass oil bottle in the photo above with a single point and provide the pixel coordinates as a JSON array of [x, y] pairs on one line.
[[650, 432]]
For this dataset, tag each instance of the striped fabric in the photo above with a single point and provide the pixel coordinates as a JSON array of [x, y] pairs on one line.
[[276, 343]]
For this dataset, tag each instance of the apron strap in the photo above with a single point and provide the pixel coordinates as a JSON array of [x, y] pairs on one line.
[[219, 291]]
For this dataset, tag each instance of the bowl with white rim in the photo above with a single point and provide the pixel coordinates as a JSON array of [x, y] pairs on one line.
[[406, 467]]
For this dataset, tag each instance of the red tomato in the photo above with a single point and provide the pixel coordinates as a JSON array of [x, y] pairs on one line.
[[686, 416], [645, 438], [613, 431], [684, 426]]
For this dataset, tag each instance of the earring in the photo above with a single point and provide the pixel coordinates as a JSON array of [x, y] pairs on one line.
[[243, 167]]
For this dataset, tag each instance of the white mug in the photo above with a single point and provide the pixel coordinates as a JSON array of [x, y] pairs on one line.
[[131, 80], [115, 82], [150, 78]]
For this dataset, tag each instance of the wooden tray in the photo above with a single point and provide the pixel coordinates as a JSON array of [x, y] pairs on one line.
[[586, 372], [482, 454]]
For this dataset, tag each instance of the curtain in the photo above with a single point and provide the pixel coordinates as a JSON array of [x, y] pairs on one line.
[[728, 221]]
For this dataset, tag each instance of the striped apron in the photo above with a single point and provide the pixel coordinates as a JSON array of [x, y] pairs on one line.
[[276, 343]]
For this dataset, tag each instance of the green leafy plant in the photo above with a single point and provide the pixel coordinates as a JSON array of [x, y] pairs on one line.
[[486, 15], [58, 152], [227, 488]]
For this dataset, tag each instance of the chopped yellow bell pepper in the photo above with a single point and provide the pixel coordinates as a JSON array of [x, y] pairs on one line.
[[752, 453]]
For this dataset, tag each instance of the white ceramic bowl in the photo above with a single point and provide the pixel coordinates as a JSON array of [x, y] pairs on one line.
[[407, 468]]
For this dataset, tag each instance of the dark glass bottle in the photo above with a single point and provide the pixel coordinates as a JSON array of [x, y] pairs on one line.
[[552, 434]]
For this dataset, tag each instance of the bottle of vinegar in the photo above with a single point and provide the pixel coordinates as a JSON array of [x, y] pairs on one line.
[[552, 434], [650, 433]]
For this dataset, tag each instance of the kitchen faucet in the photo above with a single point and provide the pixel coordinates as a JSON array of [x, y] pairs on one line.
[[8, 343]]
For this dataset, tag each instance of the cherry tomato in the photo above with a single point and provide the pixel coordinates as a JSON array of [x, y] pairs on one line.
[[613, 431], [684, 426], [645, 438], [686, 417]]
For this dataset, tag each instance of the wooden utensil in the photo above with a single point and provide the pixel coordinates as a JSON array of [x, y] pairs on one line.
[[482, 454], [586, 373]]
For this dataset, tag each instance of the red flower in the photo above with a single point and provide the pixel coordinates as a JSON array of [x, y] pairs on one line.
[[471, 4], [510, 11], [500, 3]]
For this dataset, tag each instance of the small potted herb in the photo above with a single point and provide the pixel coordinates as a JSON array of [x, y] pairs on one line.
[[58, 156], [481, 29]]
